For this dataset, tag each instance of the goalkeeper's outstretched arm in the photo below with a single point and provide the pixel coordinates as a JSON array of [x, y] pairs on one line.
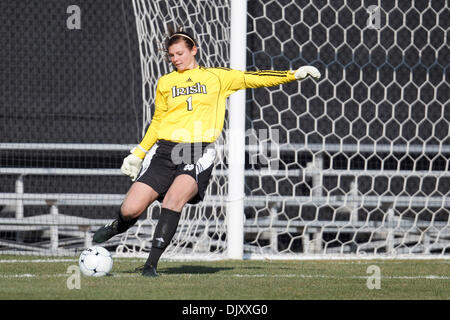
[[268, 78], [236, 80]]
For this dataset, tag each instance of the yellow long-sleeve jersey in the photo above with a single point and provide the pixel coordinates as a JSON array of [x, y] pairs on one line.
[[190, 105]]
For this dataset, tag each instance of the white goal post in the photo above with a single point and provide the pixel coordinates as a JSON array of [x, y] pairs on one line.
[[236, 130], [355, 165]]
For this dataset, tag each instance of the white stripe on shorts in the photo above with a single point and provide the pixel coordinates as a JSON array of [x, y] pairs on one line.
[[205, 161], [148, 159]]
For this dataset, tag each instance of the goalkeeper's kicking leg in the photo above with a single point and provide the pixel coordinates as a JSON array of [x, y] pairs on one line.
[[138, 198]]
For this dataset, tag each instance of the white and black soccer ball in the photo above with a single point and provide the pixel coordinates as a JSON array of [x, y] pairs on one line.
[[95, 261]]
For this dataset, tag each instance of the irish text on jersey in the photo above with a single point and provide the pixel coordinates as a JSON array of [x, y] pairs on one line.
[[196, 88]]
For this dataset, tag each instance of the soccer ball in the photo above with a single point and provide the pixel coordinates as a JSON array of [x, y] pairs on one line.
[[95, 261]]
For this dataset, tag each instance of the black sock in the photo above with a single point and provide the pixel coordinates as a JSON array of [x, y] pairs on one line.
[[153, 257], [164, 232], [124, 223]]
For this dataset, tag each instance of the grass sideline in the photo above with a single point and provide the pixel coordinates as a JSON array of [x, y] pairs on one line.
[[36, 278]]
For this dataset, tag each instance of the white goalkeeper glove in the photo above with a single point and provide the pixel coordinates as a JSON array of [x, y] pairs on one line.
[[131, 165], [303, 72]]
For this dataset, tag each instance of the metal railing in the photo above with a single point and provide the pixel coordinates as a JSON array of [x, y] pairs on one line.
[[81, 227]]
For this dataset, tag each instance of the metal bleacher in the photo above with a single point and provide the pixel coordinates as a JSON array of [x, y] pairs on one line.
[[67, 234]]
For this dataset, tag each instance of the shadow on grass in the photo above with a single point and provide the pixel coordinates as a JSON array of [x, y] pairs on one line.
[[185, 269], [194, 270]]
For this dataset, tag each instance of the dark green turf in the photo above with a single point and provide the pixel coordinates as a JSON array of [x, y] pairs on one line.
[[222, 280]]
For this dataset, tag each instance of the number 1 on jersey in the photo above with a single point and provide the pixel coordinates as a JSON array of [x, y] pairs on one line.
[[189, 103]]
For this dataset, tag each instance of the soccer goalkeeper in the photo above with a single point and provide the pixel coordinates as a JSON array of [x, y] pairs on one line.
[[174, 160]]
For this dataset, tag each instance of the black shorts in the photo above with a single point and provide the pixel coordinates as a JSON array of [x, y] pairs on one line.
[[166, 160]]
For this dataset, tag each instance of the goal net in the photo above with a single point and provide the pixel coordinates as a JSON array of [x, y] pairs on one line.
[[364, 152], [201, 232], [354, 164]]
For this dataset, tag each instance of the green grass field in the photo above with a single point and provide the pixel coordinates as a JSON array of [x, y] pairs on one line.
[[34, 278]]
